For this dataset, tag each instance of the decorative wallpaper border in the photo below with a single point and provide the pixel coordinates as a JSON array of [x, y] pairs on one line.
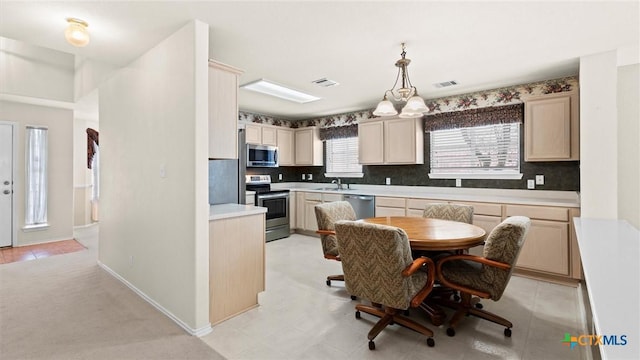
[[479, 99]]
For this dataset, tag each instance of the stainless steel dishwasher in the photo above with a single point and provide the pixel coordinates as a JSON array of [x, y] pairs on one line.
[[364, 205]]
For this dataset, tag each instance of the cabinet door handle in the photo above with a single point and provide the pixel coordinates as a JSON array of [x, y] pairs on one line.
[[6, 192]]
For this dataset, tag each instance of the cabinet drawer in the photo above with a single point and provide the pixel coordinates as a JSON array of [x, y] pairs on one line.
[[484, 208], [313, 196], [538, 212], [415, 212], [331, 197], [390, 202], [420, 204], [389, 211]]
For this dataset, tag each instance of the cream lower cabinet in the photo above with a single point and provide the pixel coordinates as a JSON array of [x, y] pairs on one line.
[[300, 212], [236, 256], [293, 210], [305, 208], [390, 206]]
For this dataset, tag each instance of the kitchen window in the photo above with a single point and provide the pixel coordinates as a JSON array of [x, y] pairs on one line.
[[480, 152], [36, 177], [342, 158]]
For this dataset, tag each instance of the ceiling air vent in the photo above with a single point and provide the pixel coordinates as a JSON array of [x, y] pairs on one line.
[[324, 82], [445, 84]]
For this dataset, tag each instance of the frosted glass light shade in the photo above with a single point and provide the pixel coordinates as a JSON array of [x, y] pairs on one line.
[[76, 33], [415, 107], [385, 108]]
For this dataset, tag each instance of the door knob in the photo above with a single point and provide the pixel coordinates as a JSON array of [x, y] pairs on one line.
[[6, 192], [6, 182]]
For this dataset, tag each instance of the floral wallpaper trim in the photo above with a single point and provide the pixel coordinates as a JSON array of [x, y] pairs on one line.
[[475, 117], [480, 99], [339, 132]]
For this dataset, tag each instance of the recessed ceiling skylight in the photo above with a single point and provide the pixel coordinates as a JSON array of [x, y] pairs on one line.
[[270, 88]]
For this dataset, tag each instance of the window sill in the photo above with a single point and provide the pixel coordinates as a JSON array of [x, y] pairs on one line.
[[37, 227], [344, 175], [476, 176]]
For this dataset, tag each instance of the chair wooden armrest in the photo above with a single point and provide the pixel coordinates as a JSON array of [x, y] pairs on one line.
[[325, 232], [431, 273], [467, 257]]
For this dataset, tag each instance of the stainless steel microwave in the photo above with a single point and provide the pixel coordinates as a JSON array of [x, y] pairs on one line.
[[262, 156]]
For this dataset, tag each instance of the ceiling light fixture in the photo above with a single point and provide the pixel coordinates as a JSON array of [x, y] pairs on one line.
[[270, 88], [76, 33], [408, 93]]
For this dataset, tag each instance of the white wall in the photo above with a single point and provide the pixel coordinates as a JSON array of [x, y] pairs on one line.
[[154, 229], [629, 144], [89, 74], [37, 72], [60, 167], [598, 136]]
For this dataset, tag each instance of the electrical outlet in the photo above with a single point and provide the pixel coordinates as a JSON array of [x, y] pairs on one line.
[[309, 177], [531, 184], [304, 177], [280, 177], [539, 179], [387, 181], [458, 182]]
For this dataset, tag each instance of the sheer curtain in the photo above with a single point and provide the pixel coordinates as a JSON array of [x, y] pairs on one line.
[[36, 167]]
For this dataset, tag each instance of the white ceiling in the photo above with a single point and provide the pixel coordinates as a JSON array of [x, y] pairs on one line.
[[480, 44]]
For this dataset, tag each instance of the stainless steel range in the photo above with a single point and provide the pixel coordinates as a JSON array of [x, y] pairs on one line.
[[276, 202]]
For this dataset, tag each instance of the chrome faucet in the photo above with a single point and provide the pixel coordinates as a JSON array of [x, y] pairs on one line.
[[338, 182]]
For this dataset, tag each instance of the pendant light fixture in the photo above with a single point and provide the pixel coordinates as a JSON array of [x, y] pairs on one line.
[[408, 93], [76, 33]]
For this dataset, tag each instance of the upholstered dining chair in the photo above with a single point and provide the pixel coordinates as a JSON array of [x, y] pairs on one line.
[[484, 276], [326, 215], [452, 212], [377, 265]]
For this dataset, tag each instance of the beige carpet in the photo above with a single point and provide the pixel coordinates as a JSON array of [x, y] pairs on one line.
[[67, 307]]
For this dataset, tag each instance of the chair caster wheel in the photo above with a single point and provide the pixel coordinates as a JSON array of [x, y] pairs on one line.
[[478, 306], [451, 332], [456, 297], [358, 315], [507, 332], [372, 345], [430, 342], [353, 297], [328, 282]]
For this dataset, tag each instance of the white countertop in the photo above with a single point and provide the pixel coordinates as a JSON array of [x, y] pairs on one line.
[[610, 252], [503, 196], [224, 211]]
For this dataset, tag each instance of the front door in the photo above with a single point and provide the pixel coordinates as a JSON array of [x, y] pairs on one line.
[[6, 185]]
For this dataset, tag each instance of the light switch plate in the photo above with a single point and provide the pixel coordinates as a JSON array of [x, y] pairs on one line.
[[309, 177], [539, 179], [304, 177], [387, 181], [279, 176], [531, 184], [458, 182]]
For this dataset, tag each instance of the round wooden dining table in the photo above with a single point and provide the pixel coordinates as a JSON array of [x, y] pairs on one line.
[[427, 234], [434, 234]]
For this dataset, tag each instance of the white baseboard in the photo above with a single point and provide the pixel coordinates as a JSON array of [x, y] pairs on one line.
[[85, 226], [195, 332]]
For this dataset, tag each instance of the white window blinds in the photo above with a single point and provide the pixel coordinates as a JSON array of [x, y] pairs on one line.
[[36, 176], [481, 152], [342, 157]]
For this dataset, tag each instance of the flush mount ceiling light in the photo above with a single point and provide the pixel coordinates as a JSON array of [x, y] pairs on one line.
[[76, 33], [270, 88], [408, 93]]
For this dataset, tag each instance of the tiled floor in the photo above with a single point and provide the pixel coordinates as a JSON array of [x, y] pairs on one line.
[[39, 251], [299, 317]]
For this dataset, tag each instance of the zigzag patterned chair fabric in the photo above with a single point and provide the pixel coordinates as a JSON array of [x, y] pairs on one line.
[[377, 263], [485, 276], [452, 212], [326, 215]]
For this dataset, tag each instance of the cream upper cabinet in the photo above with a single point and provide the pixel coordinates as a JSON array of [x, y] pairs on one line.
[[308, 147], [285, 141], [370, 140], [261, 135], [253, 134], [391, 141], [269, 136], [551, 127], [223, 111]]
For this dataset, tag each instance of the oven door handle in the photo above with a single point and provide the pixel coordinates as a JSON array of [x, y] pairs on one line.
[[271, 196]]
